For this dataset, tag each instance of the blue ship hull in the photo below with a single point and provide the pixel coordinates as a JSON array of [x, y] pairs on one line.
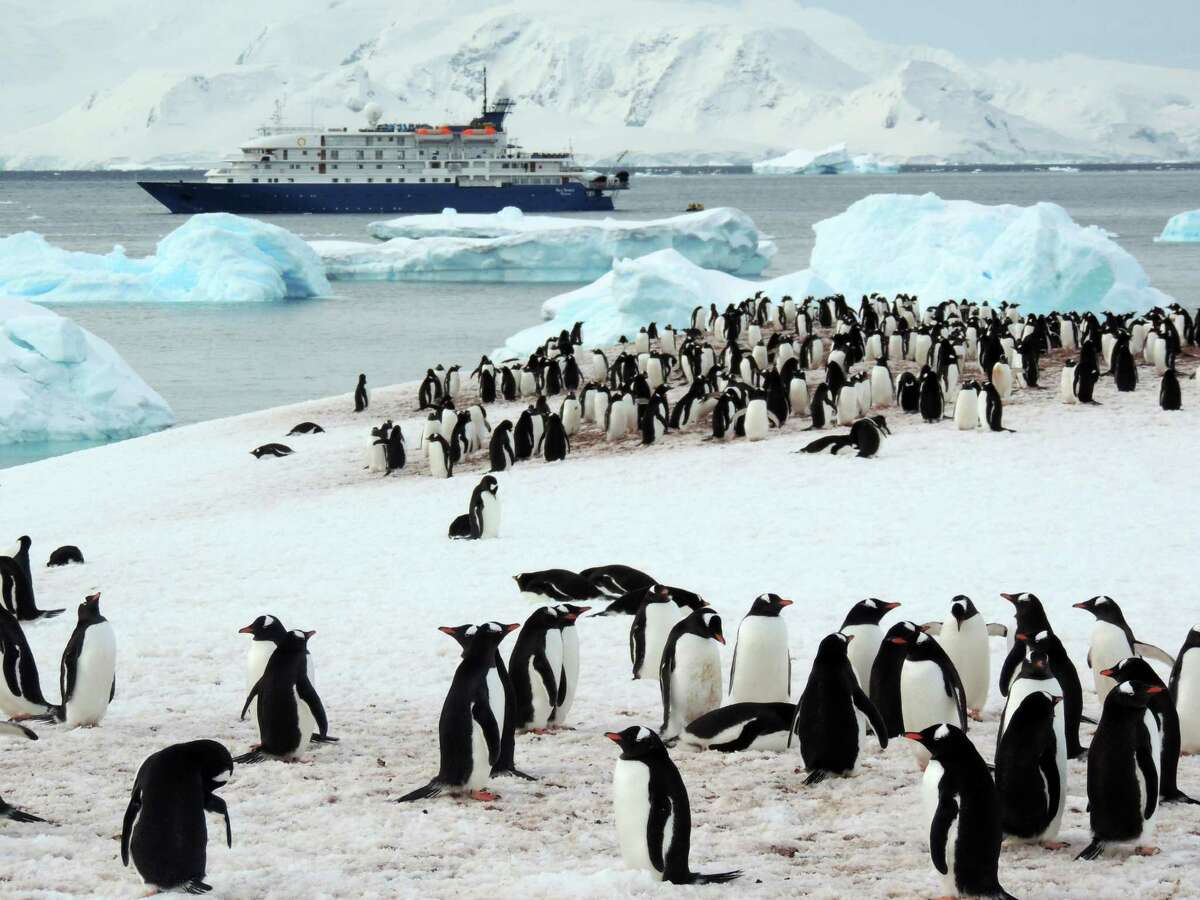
[[203, 197]]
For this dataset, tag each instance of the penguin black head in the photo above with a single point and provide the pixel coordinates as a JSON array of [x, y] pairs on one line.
[[489, 484], [943, 741], [832, 648], [89, 609], [213, 761], [768, 605], [961, 608], [704, 623], [362, 379], [24, 542], [543, 618], [569, 612], [466, 634], [637, 742], [902, 633], [264, 628], [1022, 599], [1133, 669], [1133, 694], [1104, 609], [868, 612]]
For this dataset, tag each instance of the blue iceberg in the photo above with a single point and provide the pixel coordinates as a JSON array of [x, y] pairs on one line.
[[211, 258], [1182, 227], [59, 382], [835, 160]]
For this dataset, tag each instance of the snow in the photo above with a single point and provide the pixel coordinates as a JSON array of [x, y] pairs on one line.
[[938, 249], [59, 382], [1184, 226], [662, 287], [510, 246], [190, 538], [211, 258], [835, 160]]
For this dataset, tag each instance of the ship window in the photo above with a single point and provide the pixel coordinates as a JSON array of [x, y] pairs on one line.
[[402, 180], [254, 180], [370, 181], [304, 152], [448, 180], [370, 140], [335, 167], [335, 181], [291, 181], [333, 154], [358, 154], [422, 180], [230, 180], [421, 154], [360, 165], [379, 167], [400, 155], [388, 180], [347, 181], [379, 154], [435, 165]]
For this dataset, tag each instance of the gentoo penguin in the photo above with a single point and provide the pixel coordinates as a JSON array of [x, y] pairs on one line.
[[1122, 772], [741, 726], [862, 624], [468, 733], [394, 451], [930, 690], [500, 448], [307, 428], [377, 452], [64, 556], [1112, 641], [966, 407], [265, 633], [963, 809], [535, 666], [437, 452], [20, 688], [555, 585], [1162, 708], [554, 445], [616, 580], [16, 584], [991, 409], [273, 450], [964, 637], [429, 394], [164, 828], [931, 399], [1031, 770], [482, 518], [690, 672], [756, 417], [1002, 379], [882, 388], [571, 413], [827, 715], [762, 665], [908, 392], [1185, 691], [88, 676], [648, 632], [654, 816], [866, 436], [289, 708], [12, 729], [361, 398], [1064, 673], [568, 680], [885, 675], [1169, 396]]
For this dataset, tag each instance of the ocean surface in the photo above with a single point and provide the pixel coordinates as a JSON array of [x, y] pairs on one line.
[[212, 360]]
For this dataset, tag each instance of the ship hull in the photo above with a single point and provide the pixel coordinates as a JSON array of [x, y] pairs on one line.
[[202, 197]]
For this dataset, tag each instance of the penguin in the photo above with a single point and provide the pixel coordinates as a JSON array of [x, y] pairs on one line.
[[966, 407], [1032, 675], [1185, 691], [164, 828], [500, 448], [16, 584], [930, 690], [1112, 641], [992, 408], [535, 666], [468, 733], [741, 726], [964, 637], [616, 580], [362, 399], [932, 401], [756, 421], [1085, 376], [1031, 770], [862, 624], [275, 450], [649, 631], [88, 675], [1002, 379], [1169, 396], [908, 392], [265, 633], [557, 585], [395, 453], [306, 428], [653, 814], [289, 708], [797, 388], [690, 672], [765, 674], [885, 676], [1122, 772], [826, 724], [451, 383], [865, 436], [1162, 708], [377, 454], [568, 681], [571, 414], [13, 729], [429, 394], [482, 518], [963, 809], [508, 384], [882, 387], [554, 444], [437, 452], [816, 407], [1063, 670], [20, 688]]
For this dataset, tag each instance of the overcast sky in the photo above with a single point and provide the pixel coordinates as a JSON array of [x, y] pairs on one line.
[[1163, 32]]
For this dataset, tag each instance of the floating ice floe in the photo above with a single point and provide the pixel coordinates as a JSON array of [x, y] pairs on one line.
[[662, 287], [1182, 227], [835, 160], [59, 382], [509, 246], [1036, 256], [213, 258]]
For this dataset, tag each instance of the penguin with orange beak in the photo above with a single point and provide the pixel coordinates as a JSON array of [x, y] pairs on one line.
[[762, 664], [690, 675]]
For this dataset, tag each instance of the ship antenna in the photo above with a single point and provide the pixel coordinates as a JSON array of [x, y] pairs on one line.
[[485, 90]]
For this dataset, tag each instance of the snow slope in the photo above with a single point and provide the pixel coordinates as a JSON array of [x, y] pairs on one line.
[[694, 82], [189, 538]]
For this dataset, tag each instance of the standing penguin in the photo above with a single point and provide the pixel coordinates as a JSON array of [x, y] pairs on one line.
[[963, 808], [1185, 691], [964, 637], [288, 705], [554, 444], [756, 421], [991, 408], [164, 825], [265, 632], [500, 448], [932, 401], [88, 676], [690, 672], [862, 624], [1122, 777], [648, 633], [1112, 641], [437, 452], [1031, 770], [429, 394], [395, 449], [765, 671], [1169, 396], [482, 518], [653, 813], [361, 398], [966, 407], [908, 393], [885, 675], [468, 733], [20, 687], [568, 682], [16, 584], [826, 722], [930, 690], [535, 667]]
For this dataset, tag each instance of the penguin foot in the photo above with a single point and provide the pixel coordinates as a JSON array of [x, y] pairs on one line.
[[247, 759], [10, 812], [1146, 851], [1091, 851], [976, 715], [538, 731], [816, 776], [322, 739], [1178, 796], [488, 796], [1053, 845], [515, 773], [196, 886]]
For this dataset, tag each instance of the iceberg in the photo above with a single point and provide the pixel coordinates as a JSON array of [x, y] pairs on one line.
[[1036, 256], [662, 287], [59, 382], [211, 258], [835, 160], [1184, 226], [510, 246]]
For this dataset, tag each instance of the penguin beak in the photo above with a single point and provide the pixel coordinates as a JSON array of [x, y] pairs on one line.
[[783, 602], [249, 629], [1155, 689], [509, 629], [1011, 598], [308, 634], [1057, 700], [899, 640], [915, 736], [1021, 637], [446, 629], [890, 606], [719, 637], [582, 610], [613, 736], [1108, 673]]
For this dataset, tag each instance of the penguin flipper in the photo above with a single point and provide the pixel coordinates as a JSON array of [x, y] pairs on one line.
[[1088, 719], [481, 712], [16, 815], [250, 758], [246, 706], [1149, 767], [195, 886], [215, 804], [131, 811], [1149, 651], [308, 694], [1091, 851], [939, 829], [664, 682], [322, 739], [433, 789], [868, 709]]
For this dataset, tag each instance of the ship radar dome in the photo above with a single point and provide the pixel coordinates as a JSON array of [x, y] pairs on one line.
[[374, 113]]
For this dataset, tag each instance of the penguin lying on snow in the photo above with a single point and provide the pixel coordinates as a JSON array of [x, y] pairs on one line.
[[276, 450], [482, 518], [12, 729], [307, 428], [557, 585], [64, 556], [866, 436], [741, 726], [615, 580]]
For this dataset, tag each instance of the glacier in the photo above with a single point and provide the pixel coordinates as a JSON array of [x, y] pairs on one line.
[[211, 258], [835, 160], [510, 246], [59, 382], [1036, 256], [662, 287], [1182, 227]]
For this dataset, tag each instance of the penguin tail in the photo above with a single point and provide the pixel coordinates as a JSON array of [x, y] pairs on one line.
[[1092, 851], [322, 739], [248, 759], [195, 886], [513, 772], [1178, 796], [816, 776], [714, 877], [1088, 719], [10, 812], [433, 789], [49, 613]]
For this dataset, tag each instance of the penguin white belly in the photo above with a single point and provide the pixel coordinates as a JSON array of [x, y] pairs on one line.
[[1107, 648], [616, 422], [862, 651], [308, 726], [481, 766], [654, 373], [1022, 688], [966, 411], [490, 516], [660, 619], [881, 387], [1066, 385], [924, 701], [696, 681], [847, 406], [631, 803], [755, 422], [763, 663], [1060, 758], [1188, 702], [798, 396], [967, 648], [377, 458], [437, 460], [570, 417], [929, 800], [775, 740], [599, 408], [496, 697], [570, 668], [94, 672], [449, 420]]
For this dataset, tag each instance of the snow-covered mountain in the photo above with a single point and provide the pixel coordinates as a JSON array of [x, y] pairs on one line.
[[165, 83]]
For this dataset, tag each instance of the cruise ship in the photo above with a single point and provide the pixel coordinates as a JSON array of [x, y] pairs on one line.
[[392, 168]]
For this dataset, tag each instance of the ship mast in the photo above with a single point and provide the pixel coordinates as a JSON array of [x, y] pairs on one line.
[[485, 90]]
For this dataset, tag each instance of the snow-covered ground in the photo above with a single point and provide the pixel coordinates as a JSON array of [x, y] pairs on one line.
[[189, 537]]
